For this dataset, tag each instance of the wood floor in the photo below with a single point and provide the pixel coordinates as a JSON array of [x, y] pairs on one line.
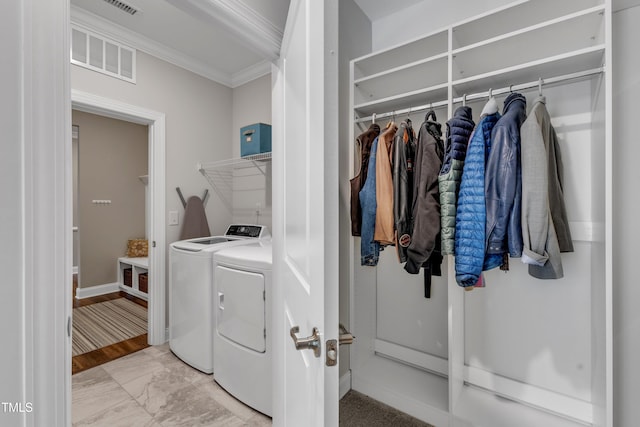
[[97, 357]]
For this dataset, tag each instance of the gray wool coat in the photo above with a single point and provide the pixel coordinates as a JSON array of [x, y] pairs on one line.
[[545, 227]]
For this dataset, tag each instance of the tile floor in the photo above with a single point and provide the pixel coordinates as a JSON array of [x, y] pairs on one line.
[[153, 388]]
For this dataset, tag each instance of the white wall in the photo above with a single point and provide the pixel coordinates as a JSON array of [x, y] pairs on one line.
[[626, 228], [35, 258], [424, 18], [355, 41], [11, 260], [198, 115]]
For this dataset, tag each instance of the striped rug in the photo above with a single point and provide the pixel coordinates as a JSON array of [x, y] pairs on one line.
[[102, 324]]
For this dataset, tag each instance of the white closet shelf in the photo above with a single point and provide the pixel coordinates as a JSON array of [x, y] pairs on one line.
[[431, 73], [510, 18], [582, 20], [432, 95], [401, 68], [507, 363], [220, 173], [552, 41], [581, 60], [484, 95], [433, 44]]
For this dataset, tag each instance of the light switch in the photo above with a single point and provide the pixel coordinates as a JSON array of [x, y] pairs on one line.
[[173, 218]]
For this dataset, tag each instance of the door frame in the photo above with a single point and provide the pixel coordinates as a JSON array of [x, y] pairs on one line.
[[90, 103]]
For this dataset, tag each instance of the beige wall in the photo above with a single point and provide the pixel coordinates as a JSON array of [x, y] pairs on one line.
[[251, 104], [198, 126], [112, 155]]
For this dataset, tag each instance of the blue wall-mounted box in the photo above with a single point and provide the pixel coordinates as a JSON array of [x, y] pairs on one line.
[[255, 139]]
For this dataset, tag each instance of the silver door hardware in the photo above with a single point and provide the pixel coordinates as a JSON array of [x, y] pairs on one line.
[[332, 353], [310, 343], [345, 336]]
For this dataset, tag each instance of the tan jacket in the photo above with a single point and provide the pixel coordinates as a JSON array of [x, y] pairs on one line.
[[384, 231]]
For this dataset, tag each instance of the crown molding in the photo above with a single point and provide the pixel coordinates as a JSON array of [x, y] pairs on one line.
[[251, 73], [121, 34], [250, 28]]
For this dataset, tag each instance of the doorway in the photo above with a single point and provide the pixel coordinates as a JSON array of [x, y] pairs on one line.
[[155, 121], [110, 158]]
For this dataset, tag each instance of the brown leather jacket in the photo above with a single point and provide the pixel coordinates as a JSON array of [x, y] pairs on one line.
[[363, 150]]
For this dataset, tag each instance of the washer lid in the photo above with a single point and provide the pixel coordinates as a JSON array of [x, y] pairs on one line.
[[201, 243], [255, 255]]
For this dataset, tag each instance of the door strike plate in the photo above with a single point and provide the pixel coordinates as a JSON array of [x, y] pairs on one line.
[[332, 353]]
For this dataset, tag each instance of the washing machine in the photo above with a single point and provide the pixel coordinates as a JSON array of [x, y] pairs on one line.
[[242, 335], [191, 318]]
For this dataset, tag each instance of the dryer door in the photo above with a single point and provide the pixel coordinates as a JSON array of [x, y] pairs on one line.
[[240, 307]]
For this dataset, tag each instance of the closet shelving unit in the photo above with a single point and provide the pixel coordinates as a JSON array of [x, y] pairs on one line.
[[520, 352], [221, 174]]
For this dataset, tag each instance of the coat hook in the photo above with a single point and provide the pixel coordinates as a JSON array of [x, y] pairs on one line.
[[490, 93], [464, 100], [373, 118], [540, 86], [510, 88]]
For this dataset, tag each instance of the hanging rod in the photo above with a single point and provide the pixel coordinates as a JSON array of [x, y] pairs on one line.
[[486, 94], [404, 110]]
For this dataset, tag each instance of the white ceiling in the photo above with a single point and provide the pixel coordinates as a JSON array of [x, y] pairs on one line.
[[229, 41]]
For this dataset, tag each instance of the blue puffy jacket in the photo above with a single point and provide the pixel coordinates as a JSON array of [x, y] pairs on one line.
[[470, 238], [503, 180]]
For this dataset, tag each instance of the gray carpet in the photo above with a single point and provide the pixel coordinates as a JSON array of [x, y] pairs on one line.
[[358, 410], [100, 325]]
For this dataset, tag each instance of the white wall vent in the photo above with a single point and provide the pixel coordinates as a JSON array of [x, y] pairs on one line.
[[99, 53], [123, 6]]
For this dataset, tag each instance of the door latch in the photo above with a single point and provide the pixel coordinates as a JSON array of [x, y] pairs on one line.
[[309, 343], [345, 336]]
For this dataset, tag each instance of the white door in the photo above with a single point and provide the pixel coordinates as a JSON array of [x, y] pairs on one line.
[[305, 214]]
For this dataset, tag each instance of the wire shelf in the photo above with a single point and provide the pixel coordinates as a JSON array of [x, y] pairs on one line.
[[220, 174]]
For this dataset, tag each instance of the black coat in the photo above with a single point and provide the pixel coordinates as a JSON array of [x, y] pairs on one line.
[[425, 235]]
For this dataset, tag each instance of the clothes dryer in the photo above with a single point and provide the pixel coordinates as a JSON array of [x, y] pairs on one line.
[[242, 337], [191, 319]]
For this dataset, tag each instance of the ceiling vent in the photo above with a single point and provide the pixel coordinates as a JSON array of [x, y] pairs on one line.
[[123, 6]]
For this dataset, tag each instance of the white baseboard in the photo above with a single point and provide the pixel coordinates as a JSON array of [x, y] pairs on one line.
[[75, 269], [345, 384], [94, 291]]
